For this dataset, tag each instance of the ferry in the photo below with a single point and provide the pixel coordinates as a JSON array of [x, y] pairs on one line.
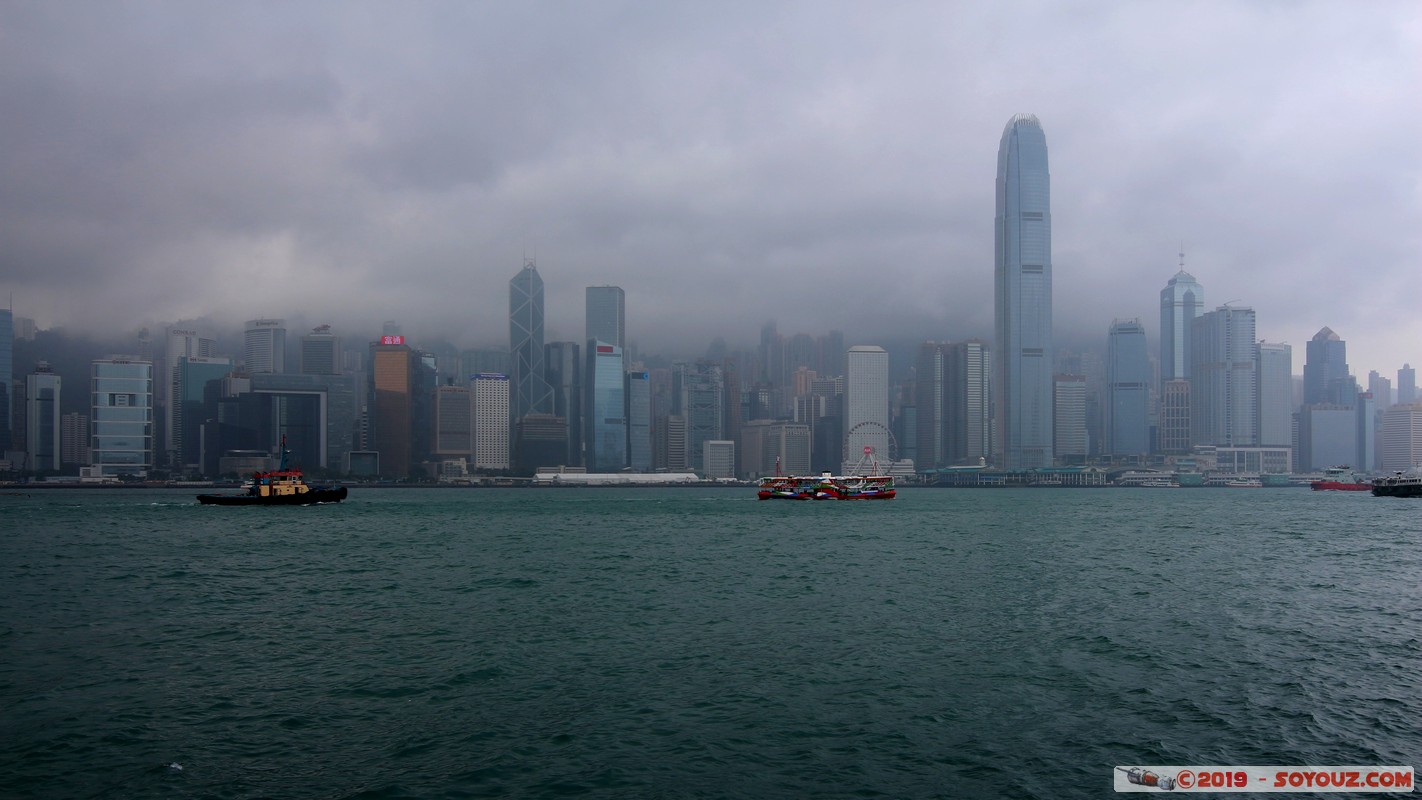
[[1340, 479], [1398, 485], [284, 486]]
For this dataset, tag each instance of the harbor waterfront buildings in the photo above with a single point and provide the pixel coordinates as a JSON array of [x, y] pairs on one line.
[[1023, 297]]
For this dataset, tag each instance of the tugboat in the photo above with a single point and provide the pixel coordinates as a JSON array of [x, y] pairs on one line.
[[1398, 485], [284, 486]]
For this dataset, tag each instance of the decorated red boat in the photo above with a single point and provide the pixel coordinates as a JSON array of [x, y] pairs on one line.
[[826, 486]]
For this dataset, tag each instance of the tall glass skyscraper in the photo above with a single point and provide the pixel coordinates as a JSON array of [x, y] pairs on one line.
[[1181, 301], [607, 315], [1023, 293], [1224, 383], [121, 392], [606, 404], [563, 367], [1128, 390], [530, 394]]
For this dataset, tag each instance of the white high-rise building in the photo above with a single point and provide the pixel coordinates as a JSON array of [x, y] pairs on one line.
[[265, 345], [490, 395], [1400, 438], [1069, 418], [866, 406]]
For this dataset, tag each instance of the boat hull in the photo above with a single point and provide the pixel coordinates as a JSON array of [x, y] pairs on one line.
[[1340, 486], [324, 495]]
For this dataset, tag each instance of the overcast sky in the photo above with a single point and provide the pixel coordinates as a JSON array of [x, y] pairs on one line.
[[826, 165]]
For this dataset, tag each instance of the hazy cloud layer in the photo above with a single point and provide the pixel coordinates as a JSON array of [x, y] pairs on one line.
[[821, 164]]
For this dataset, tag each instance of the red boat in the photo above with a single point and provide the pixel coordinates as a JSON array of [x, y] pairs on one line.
[[1341, 479], [827, 487]]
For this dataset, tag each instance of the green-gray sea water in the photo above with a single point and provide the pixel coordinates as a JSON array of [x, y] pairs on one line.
[[668, 643]]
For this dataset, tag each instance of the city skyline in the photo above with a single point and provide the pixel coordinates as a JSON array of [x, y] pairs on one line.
[[692, 154]]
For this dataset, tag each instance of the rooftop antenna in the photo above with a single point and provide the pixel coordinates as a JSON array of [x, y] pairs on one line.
[[1182, 255]]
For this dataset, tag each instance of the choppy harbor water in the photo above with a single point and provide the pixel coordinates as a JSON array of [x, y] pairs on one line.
[[698, 643]]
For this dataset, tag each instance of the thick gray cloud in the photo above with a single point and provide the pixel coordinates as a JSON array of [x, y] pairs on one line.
[[826, 165]]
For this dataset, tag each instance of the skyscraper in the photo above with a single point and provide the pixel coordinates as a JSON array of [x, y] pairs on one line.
[[1406, 385], [1224, 383], [1276, 394], [563, 367], [530, 394], [1380, 388], [1023, 295], [321, 352], [866, 406], [453, 434], [929, 397], [181, 343], [606, 315], [1069, 418], [606, 403], [265, 345], [1181, 301], [1400, 438], [391, 405], [1174, 428], [491, 421], [7, 375], [1326, 378], [704, 401], [185, 408], [42, 419], [1127, 390], [122, 416], [968, 402], [639, 421]]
